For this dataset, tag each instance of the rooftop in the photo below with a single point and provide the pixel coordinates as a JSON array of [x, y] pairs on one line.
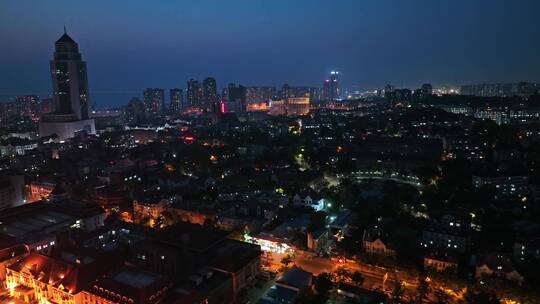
[[65, 38], [295, 277], [135, 279], [243, 254], [193, 236]]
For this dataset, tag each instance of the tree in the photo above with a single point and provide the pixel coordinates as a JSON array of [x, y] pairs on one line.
[[423, 290], [441, 297], [475, 296], [286, 260], [342, 273], [397, 292], [351, 244], [307, 296], [318, 220], [357, 278], [323, 283]]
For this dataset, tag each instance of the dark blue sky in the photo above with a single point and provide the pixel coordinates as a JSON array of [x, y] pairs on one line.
[[130, 45]]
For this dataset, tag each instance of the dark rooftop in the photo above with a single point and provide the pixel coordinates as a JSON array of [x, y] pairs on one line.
[[242, 252], [295, 277], [193, 236], [65, 38]]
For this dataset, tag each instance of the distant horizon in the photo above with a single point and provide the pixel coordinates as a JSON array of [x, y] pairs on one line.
[[372, 43], [104, 99]]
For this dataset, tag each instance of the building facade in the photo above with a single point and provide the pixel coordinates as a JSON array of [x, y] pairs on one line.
[[331, 87], [154, 100], [70, 93], [193, 93], [177, 97]]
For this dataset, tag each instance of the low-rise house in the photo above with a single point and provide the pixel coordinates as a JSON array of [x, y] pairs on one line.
[[127, 285], [11, 189], [361, 295], [527, 250], [11, 251], [341, 223], [39, 190], [505, 186], [499, 266], [374, 241], [440, 262], [243, 268], [317, 239], [295, 279], [111, 197], [16, 146], [55, 279], [446, 237], [37, 225], [288, 287], [149, 208], [193, 212], [181, 251], [257, 209], [310, 200]]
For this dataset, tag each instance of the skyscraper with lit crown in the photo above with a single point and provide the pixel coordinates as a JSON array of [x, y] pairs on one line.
[[331, 86]]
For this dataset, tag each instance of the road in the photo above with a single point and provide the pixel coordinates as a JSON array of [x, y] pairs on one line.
[[317, 265], [373, 275]]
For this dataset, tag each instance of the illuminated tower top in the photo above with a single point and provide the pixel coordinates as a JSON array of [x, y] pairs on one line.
[[69, 79]]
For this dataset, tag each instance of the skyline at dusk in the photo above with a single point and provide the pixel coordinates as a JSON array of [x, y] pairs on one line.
[[270, 152], [371, 43]]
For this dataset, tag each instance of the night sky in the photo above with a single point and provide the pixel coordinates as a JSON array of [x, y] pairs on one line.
[[130, 45]]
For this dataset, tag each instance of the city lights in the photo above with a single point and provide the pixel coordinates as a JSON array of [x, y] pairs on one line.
[[313, 152]]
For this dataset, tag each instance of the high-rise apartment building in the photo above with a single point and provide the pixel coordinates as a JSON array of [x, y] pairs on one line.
[[331, 86], [193, 93], [314, 93], [177, 97], [426, 89], [237, 95], [154, 100], [523, 89], [260, 94], [209, 89]]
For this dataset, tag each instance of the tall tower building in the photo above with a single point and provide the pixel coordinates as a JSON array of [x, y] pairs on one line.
[[70, 92], [209, 88], [331, 86], [427, 89], [193, 93], [154, 100], [70, 84], [176, 99], [135, 112], [237, 97]]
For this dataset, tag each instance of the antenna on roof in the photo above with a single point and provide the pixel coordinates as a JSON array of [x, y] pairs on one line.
[[65, 32]]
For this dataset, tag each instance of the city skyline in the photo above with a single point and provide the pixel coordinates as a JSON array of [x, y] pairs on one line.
[[270, 152], [477, 46]]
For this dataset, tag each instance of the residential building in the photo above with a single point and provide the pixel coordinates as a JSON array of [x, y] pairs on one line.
[[177, 99], [375, 241], [154, 100], [193, 93], [499, 266], [440, 262], [209, 90], [11, 190], [504, 186]]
